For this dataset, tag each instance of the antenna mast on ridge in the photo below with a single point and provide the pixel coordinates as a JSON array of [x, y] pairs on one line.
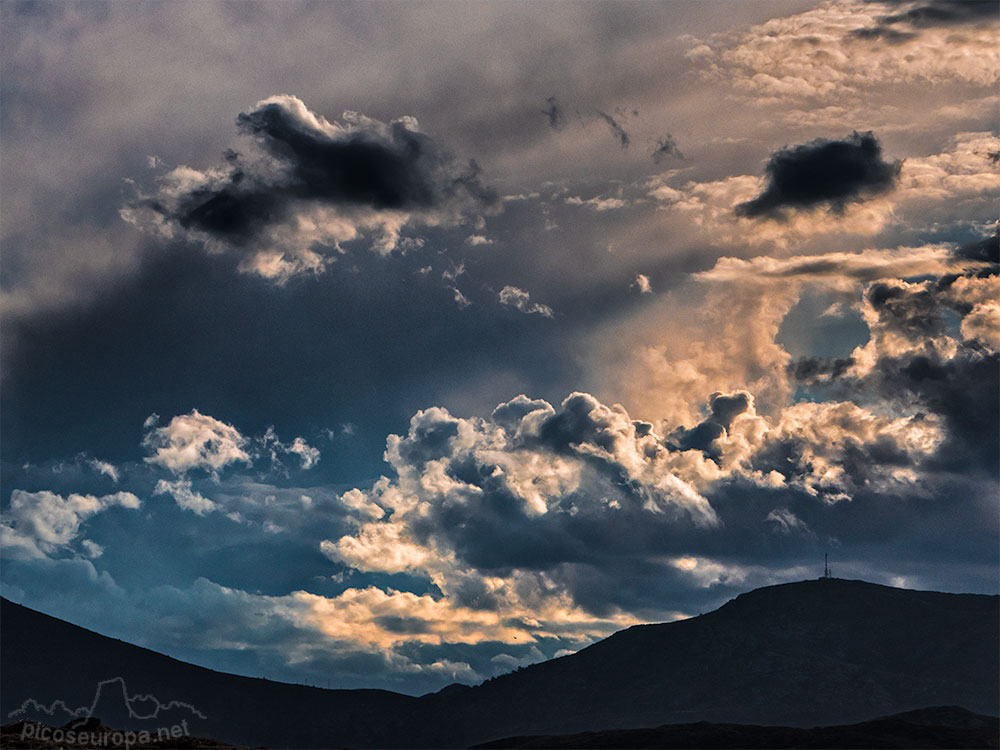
[[826, 565]]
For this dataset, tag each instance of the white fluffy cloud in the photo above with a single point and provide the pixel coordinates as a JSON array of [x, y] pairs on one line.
[[272, 447], [194, 441], [185, 497], [39, 524], [307, 454], [197, 441]]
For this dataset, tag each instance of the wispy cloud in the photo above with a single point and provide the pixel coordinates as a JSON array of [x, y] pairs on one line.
[[520, 300]]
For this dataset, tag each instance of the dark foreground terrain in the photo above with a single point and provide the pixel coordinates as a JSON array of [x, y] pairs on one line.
[[815, 653], [85, 734], [942, 727]]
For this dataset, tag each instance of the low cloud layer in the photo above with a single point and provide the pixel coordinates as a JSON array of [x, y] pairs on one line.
[[823, 172], [306, 185]]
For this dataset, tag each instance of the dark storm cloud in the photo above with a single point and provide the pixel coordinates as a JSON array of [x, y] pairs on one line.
[[945, 13], [575, 423], [616, 129], [823, 172], [304, 161], [555, 113], [964, 391], [962, 387], [702, 438], [886, 33], [404, 171], [913, 313], [666, 147], [398, 169], [722, 410], [926, 15], [818, 369], [987, 249]]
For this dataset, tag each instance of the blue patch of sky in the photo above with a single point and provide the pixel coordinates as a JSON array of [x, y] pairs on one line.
[[807, 332]]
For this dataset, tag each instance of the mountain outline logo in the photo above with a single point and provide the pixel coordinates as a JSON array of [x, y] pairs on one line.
[[87, 712]]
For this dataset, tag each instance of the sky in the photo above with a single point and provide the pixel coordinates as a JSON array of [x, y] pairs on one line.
[[397, 344]]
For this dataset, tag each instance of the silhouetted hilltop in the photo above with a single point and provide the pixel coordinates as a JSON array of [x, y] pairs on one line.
[[817, 652], [805, 654]]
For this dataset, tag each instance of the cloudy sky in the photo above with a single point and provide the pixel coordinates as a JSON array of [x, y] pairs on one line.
[[390, 345]]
